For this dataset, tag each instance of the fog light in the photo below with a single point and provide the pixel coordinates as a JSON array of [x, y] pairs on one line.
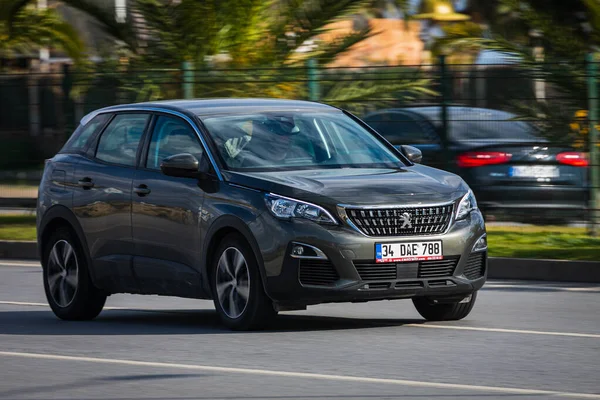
[[481, 244], [466, 299], [302, 250]]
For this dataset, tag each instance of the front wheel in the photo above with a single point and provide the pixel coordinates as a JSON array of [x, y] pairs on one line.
[[440, 311], [238, 292]]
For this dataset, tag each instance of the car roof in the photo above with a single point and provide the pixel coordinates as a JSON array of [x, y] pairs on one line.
[[455, 113], [203, 107]]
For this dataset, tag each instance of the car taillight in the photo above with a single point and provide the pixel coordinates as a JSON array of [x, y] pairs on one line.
[[573, 158], [480, 158]]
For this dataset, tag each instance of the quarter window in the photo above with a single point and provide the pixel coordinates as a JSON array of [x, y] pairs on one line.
[[84, 132], [172, 136], [119, 142]]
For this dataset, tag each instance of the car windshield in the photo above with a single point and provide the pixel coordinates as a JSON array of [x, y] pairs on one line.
[[289, 140]]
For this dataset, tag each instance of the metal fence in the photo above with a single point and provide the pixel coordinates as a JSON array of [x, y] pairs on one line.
[[38, 111]]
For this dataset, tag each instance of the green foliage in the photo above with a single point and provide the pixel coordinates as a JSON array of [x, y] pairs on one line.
[[563, 33], [24, 29], [235, 48], [551, 242], [241, 48], [380, 88]]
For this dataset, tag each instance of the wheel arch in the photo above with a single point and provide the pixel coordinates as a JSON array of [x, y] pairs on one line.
[[56, 216], [218, 230]]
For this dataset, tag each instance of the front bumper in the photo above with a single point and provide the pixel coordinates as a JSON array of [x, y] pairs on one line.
[[345, 249]]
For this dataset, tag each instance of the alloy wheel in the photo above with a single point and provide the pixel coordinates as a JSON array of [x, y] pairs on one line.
[[63, 271], [233, 282]]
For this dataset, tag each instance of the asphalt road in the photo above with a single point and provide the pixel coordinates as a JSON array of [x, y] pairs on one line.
[[525, 341]]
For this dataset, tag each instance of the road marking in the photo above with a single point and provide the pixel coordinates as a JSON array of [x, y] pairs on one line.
[[500, 330], [25, 303], [542, 287], [32, 264], [306, 375]]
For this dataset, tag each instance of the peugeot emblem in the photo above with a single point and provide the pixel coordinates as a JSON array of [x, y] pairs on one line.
[[406, 220]]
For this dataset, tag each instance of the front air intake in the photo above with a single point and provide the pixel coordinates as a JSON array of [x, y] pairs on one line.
[[475, 266], [317, 273]]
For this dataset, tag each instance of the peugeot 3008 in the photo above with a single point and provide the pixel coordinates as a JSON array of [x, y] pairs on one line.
[[260, 205]]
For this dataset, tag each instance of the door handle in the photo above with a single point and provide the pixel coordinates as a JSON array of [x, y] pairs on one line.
[[86, 183], [141, 190]]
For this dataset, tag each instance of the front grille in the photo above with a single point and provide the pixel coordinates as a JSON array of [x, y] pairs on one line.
[[317, 272], [438, 268], [407, 221], [371, 271], [475, 267]]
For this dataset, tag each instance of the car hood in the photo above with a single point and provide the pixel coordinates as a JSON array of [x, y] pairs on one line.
[[358, 186]]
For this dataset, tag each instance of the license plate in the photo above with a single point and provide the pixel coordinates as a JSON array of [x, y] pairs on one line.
[[408, 251], [534, 171]]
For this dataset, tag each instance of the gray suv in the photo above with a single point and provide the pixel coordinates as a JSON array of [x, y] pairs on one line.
[[261, 205]]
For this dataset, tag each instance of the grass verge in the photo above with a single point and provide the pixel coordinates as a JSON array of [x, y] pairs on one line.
[[17, 227], [549, 242], [545, 242]]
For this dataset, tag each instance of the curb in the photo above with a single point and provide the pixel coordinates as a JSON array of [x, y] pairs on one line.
[[26, 202], [498, 268], [531, 269], [18, 250]]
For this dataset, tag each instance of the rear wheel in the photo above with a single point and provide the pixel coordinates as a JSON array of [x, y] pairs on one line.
[[69, 289], [444, 311], [238, 292]]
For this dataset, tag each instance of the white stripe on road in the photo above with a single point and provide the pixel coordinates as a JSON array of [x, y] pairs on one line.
[[542, 287], [26, 303], [305, 375], [500, 330], [30, 264], [424, 325]]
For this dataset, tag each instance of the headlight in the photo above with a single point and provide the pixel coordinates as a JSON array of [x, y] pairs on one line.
[[466, 205], [286, 208]]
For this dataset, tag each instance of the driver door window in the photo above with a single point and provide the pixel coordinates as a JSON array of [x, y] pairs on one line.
[[172, 136]]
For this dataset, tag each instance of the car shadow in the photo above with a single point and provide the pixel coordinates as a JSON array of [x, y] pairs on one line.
[[173, 322]]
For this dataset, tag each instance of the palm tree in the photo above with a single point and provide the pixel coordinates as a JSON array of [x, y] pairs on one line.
[[24, 29], [566, 31], [243, 48], [235, 48]]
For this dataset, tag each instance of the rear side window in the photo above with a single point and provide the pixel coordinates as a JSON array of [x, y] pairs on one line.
[[83, 133], [400, 128], [120, 140]]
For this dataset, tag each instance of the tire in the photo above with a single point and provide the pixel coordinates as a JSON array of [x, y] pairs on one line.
[[236, 312], [68, 286], [443, 311]]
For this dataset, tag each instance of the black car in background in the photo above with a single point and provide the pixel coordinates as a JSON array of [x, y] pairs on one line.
[[510, 166]]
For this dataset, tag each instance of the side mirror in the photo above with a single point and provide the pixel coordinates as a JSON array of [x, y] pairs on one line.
[[182, 165], [412, 153]]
